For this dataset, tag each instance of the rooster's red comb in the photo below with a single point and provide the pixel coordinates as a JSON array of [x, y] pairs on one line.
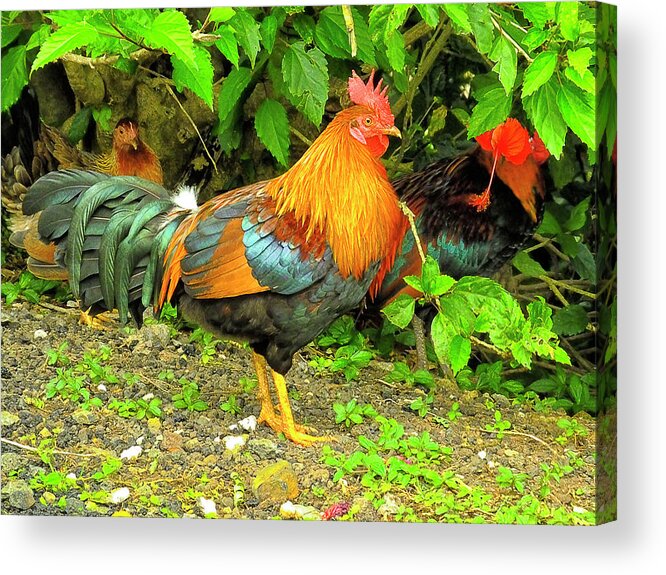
[[371, 96]]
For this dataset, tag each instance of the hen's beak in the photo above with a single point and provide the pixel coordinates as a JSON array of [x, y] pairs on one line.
[[393, 131], [135, 144]]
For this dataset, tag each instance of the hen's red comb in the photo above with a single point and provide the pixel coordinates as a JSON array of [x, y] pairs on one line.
[[371, 96]]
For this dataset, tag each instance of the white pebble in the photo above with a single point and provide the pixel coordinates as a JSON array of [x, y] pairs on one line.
[[491, 464], [131, 452], [101, 387], [207, 505], [140, 440], [119, 495], [577, 509], [481, 454], [40, 334], [249, 423], [148, 396], [217, 439], [233, 442], [71, 476]]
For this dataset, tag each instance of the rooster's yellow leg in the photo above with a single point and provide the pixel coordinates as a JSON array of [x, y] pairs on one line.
[[285, 423], [267, 413], [95, 322]]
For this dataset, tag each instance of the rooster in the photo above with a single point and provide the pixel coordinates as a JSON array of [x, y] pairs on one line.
[[473, 212], [272, 263]]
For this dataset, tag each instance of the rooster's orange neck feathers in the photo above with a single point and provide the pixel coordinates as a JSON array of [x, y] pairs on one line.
[[340, 190]]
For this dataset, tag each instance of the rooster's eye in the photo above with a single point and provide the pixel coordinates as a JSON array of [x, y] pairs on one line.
[[368, 121]]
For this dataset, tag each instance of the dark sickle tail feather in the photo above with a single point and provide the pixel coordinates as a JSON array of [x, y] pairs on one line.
[[106, 234]]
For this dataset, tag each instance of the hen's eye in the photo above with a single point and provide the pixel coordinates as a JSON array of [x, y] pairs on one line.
[[368, 121]]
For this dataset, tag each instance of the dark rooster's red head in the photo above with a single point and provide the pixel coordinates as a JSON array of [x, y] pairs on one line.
[[126, 134]]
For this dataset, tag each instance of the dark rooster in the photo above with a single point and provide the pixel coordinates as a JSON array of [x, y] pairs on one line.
[[273, 263], [463, 235], [473, 212]]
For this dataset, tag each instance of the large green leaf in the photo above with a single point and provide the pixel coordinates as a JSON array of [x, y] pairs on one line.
[[526, 265], [232, 89], [247, 33], [199, 81], [63, 41], [507, 63], [227, 44], [221, 14], [577, 108], [457, 13], [570, 320], [539, 72], [429, 13], [580, 59], [331, 33], [482, 26], [272, 128], [268, 29], [14, 76], [493, 108], [305, 73], [535, 12], [400, 311], [460, 350], [542, 109], [567, 17], [395, 50], [170, 32]]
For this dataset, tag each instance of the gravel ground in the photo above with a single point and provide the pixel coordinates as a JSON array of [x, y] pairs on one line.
[[183, 465]]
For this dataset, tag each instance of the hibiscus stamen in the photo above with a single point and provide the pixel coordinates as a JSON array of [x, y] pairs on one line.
[[482, 201]]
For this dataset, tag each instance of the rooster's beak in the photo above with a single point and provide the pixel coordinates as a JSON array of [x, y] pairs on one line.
[[135, 144], [393, 131]]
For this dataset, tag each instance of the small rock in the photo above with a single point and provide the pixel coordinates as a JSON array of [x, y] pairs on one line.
[[19, 494], [207, 506], [12, 462], [131, 452], [172, 441], [481, 454], [263, 448], [155, 335], [71, 476], [192, 444], [101, 387], [119, 495], [305, 512], [7, 419], [154, 424], [49, 498], [390, 506], [210, 460], [139, 440], [248, 424], [233, 442], [84, 417], [40, 334], [276, 482]]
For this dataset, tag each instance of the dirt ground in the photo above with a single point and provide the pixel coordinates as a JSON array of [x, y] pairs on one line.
[[184, 462]]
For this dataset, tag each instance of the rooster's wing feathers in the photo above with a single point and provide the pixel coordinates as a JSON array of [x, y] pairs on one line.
[[237, 245]]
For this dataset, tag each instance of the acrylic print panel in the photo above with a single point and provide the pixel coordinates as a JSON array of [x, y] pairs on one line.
[[304, 347]]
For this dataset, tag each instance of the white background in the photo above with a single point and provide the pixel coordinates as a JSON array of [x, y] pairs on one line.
[[633, 544]]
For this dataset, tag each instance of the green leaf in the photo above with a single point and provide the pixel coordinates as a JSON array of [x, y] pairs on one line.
[[507, 64], [570, 320], [63, 41], [14, 76], [535, 12], [441, 334], [526, 265], [103, 117], [457, 13], [578, 216], [542, 109], [227, 44], [493, 108], [38, 37], [221, 14], [585, 82], [304, 25], [247, 33], [272, 128], [268, 29], [400, 311], [79, 125], [10, 33], [395, 50], [429, 13], [549, 225], [170, 31], [331, 33], [460, 351], [200, 79], [232, 89], [482, 26], [305, 73], [566, 14], [579, 59], [577, 108], [584, 264], [539, 72], [534, 38]]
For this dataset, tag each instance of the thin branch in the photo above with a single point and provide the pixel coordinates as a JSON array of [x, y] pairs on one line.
[[520, 433], [302, 137], [511, 40], [56, 451]]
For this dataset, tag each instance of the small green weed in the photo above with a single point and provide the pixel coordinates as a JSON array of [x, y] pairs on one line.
[[352, 413], [499, 426], [189, 397], [231, 405]]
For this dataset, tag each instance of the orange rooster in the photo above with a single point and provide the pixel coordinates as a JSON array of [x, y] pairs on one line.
[[273, 263]]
